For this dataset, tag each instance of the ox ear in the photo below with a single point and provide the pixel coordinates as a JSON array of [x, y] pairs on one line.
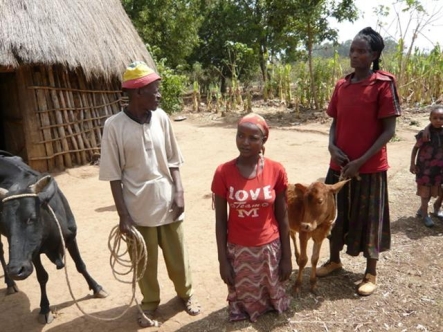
[[45, 188], [3, 193], [335, 188]]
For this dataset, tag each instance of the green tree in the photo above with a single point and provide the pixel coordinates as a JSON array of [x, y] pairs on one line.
[[225, 25], [261, 25], [418, 19], [169, 26], [312, 26]]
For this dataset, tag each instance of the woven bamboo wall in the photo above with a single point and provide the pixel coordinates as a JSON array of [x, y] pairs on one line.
[[70, 113]]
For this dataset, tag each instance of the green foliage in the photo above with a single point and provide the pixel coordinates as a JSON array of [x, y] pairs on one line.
[[240, 58], [170, 25], [172, 88], [226, 46], [421, 78], [223, 42], [313, 27], [327, 49]]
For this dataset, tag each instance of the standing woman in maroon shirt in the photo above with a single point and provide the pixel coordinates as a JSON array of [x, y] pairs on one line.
[[364, 107]]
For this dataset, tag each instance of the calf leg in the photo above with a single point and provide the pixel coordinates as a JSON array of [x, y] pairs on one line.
[[11, 285], [314, 260], [99, 292], [297, 253], [302, 260], [45, 316]]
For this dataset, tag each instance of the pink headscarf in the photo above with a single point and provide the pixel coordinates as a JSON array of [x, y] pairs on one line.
[[258, 120]]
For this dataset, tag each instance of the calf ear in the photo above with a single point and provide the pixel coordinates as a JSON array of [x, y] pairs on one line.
[[300, 189], [335, 188], [3, 193], [45, 188]]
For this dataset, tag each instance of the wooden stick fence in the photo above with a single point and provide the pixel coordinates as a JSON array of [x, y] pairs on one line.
[[71, 112]]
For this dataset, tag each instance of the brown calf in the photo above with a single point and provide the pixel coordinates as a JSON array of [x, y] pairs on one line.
[[312, 212]]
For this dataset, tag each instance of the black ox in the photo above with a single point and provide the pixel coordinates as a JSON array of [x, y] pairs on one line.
[[31, 229]]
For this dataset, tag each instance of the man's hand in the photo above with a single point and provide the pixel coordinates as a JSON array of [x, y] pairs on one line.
[[125, 225], [178, 204]]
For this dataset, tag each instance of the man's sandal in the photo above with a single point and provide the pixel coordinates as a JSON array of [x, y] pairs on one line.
[[192, 307], [145, 319]]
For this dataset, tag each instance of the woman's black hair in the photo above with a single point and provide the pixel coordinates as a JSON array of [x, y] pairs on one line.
[[376, 43]]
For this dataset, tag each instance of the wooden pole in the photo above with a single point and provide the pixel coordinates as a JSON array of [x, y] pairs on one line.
[[86, 100], [57, 145], [44, 119], [67, 100], [31, 128], [59, 118]]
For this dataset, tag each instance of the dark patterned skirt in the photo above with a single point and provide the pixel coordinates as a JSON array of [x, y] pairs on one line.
[[257, 288], [363, 222]]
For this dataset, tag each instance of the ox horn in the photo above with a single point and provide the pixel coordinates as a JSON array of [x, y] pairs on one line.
[[40, 184], [3, 192], [45, 188]]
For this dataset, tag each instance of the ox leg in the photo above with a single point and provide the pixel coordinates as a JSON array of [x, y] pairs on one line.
[[302, 260], [98, 290], [45, 316], [314, 261], [11, 285]]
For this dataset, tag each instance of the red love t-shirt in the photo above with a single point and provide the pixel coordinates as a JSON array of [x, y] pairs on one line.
[[251, 219]]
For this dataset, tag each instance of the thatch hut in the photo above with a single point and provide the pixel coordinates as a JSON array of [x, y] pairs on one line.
[[60, 68]]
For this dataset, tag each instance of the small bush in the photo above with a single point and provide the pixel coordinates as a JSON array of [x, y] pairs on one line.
[[172, 87]]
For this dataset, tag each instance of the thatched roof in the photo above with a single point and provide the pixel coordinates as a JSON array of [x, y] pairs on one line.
[[95, 35]]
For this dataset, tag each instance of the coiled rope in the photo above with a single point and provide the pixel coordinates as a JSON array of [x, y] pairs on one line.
[[134, 242]]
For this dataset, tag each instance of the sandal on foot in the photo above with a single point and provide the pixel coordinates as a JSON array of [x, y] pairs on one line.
[[419, 214], [428, 221], [328, 268], [146, 319], [192, 307], [368, 285]]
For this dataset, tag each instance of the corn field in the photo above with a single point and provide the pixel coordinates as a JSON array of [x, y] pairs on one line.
[[420, 77], [419, 81]]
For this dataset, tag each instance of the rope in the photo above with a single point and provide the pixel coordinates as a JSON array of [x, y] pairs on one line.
[[9, 198], [139, 255], [336, 209]]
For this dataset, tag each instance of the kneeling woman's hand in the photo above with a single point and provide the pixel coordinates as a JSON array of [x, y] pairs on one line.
[[227, 273], [285, 268]]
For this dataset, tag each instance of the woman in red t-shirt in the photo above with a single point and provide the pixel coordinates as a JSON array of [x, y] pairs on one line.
[[253, 236], [364, 107]]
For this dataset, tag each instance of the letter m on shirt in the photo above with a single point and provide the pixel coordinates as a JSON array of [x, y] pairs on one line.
[[242, 213]]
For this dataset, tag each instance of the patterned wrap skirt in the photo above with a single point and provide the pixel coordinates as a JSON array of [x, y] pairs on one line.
[[363, 222], [257, 288]]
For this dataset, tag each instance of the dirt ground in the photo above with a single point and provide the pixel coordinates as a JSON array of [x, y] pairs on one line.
[[409, 297]]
